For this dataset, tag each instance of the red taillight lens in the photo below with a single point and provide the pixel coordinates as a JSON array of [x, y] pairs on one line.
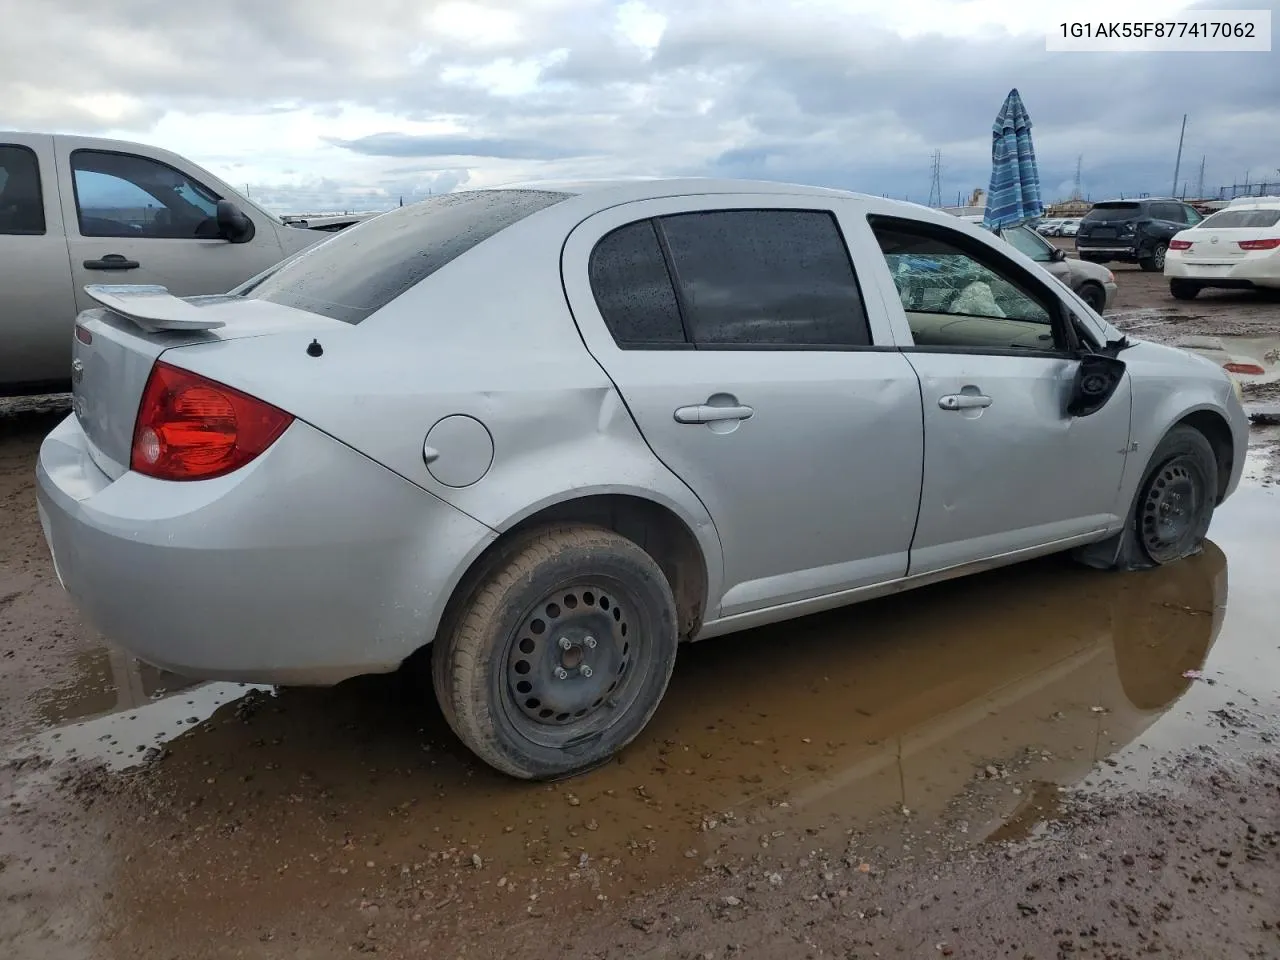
[[1179, 244], [1269, 244], [83, 335], [190, 428], [1250, 368]]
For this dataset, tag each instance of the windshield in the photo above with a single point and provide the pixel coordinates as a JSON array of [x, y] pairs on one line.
[[1228, 219], [1113, 212], [366, 266]]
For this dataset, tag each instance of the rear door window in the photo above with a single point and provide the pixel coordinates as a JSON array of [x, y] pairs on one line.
[[767, 278], [1168, 211], [633, 289], [364, 267], [21, 198]]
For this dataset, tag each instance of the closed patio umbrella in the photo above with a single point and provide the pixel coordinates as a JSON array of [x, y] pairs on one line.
[[1014, 196]]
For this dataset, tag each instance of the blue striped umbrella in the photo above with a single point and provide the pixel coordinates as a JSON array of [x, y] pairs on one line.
[[1014, 196]]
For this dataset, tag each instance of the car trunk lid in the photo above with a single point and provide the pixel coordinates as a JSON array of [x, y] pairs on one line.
[[116, 345]]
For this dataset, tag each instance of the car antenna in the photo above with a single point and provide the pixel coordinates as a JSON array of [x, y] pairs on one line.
[[314, 349]]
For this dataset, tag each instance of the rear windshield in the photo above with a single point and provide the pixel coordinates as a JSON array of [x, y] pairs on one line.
[[366, 266], [1113, 212], [1226, 219]]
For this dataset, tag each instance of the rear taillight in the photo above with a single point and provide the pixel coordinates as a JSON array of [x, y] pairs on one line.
[[1249, 368], [83, 335], [1179, 244], [191, 428], [1269, 244]]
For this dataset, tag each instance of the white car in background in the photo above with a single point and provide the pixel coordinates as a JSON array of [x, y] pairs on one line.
[[1237, 247], [1068, 228]]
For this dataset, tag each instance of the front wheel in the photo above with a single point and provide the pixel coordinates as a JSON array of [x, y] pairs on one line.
[[559, 654], [1155, 259], [1172, 510], [1094, 296], [1183, 289]]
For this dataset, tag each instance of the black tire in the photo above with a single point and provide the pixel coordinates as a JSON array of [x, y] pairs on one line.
[[495, 662], [1154, 261], [1183, 474], [1183, 289], [1094, 296]]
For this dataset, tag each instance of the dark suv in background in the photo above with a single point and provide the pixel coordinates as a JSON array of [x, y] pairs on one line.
[[1133, 231]]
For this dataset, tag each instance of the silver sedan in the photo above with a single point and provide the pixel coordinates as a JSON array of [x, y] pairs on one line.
[[527, 440]]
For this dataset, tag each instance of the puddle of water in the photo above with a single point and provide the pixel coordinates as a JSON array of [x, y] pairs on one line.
[[952, 714], [105, 680]]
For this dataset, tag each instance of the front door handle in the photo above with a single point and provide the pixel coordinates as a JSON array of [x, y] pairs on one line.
[[112, 261], [963, 401], [706, 413]]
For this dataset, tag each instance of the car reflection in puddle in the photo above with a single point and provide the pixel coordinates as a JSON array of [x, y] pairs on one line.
[[936, 718]]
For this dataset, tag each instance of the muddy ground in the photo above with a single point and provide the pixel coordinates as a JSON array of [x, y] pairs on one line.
[[1040, 762]]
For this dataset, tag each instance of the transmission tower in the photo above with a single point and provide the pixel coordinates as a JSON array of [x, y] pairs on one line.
[[1075, 187], [1200, 181], [935, 183]]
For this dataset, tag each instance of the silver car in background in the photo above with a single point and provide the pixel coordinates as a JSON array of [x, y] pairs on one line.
[[530, 439]]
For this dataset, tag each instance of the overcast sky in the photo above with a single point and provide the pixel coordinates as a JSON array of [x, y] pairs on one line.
[[332, 104]]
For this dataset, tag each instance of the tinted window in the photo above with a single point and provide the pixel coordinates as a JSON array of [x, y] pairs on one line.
[[21, 201], [959, 297], [364, 267], [1113, 212], [767, 277], [1168, 211], [1232, 219], [633, 288], [123, 195]]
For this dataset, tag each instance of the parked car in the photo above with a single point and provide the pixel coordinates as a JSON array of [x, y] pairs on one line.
[[1133, 231], [1095, 284], [81, 210], [1069, 228], [359, 456], [1049, 228], [1238, 247], [330, 223]]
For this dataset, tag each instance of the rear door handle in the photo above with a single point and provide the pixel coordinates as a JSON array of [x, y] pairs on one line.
[[963, 401], [112, 261], [705, 413]]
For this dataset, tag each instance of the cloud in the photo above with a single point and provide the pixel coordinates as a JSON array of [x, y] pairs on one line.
[[408, 145], [321, 102]]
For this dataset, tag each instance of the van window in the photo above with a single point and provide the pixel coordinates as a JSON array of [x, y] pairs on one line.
[[21, 199], [1114, 212]]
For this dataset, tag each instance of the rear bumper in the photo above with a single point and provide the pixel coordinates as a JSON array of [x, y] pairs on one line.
[[308, 566], [1251, 272]]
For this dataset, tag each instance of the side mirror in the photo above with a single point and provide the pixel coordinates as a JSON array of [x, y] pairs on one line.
[[1096, 380], [233, 225], [1058, 255]]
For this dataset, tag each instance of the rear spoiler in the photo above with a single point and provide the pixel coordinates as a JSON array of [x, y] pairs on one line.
[[152, 307]]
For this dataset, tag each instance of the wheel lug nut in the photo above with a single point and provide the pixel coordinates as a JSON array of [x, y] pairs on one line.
[[562, 673], [590, 642], [585, 671], [565, 643]]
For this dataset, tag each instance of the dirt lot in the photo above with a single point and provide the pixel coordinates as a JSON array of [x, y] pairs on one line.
[[1040, 762]]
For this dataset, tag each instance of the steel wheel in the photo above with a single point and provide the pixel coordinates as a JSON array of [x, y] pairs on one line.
[[1171, 510], [569, 662]]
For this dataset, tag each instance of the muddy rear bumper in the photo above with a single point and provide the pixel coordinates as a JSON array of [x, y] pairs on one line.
[[310, 565]]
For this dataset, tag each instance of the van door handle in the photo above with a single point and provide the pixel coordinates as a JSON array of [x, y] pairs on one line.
[[705, 413], [963, 401], [112, 261]]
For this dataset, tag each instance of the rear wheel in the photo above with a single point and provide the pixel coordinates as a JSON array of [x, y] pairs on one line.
[[1094, 296], [560, 653], [1154, 260], [1183, 289]]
